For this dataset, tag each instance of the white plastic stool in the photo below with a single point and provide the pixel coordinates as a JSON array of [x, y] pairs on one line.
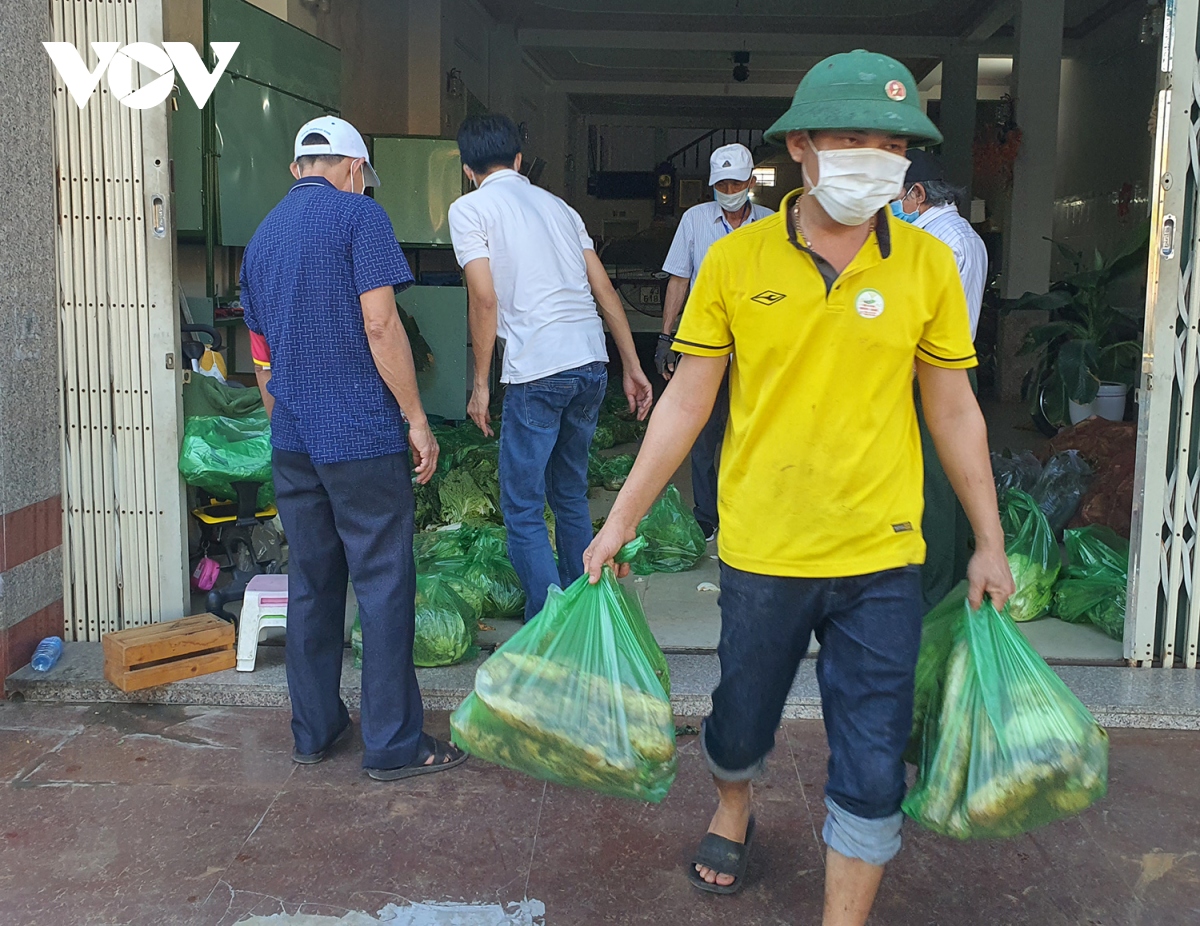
[[265, 605]]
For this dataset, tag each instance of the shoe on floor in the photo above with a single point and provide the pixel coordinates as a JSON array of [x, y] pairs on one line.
[[445, 757], [710, 531], [312, 758]]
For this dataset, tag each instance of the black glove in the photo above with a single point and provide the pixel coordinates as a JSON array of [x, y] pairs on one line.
[[665, 357]]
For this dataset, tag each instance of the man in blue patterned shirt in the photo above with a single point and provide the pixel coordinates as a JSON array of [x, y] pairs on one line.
[[318, 286]]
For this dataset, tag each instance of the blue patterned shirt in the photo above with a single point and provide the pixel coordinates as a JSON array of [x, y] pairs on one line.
[[303, 272]]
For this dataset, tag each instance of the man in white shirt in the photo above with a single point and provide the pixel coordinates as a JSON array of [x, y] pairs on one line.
[[534, 280], [731, 175], [931, 203]]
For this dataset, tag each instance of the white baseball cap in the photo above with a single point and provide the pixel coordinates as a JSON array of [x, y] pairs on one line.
[[730, 162], [341, 138]]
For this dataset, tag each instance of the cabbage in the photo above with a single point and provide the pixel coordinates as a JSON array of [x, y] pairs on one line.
[[444, 624]]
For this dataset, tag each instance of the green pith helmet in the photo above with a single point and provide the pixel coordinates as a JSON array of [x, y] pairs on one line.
[[857, 90]]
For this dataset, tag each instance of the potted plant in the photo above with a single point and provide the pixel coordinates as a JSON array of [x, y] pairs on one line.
[[1089, 350]]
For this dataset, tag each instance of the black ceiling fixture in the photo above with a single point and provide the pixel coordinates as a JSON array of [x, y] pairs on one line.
[[741, 66]]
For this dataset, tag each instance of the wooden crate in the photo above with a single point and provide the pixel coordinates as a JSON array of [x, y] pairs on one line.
[[168, 652]]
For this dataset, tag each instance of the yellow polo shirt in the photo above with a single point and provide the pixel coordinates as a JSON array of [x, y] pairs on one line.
[[821, 469]]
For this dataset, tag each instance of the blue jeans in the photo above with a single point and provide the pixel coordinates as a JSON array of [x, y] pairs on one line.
[[353, 521], [869, 628], [545, 436], [704, 459]]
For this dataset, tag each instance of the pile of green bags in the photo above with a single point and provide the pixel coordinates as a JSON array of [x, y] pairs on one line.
[[463, 577], [1001, 744], [218, 451], [578, 696], [1033, 555], [1096, 584]]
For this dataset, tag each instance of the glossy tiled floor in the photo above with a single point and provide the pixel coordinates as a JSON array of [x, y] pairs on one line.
[[113, 814]]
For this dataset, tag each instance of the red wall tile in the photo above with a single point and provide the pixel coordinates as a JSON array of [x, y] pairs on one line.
[[18, 642], [30, 531]]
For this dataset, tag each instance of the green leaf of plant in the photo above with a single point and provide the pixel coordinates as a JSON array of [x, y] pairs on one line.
[[1054, 403], [1098, 261], [1118, 362], [1077, 364], [1073, 257], [1132, 253]]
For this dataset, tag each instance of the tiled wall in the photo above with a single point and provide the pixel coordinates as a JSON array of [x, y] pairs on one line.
[[31, 603]]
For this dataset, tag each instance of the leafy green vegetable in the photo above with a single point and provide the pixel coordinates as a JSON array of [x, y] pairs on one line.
[[603, 438], [1033, 555], [356, 639], [489, 570], [444, 624], [1035, 587], [462, 498]]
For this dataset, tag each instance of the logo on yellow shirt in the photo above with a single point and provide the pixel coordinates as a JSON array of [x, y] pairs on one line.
[[869, 303], [768, 297]]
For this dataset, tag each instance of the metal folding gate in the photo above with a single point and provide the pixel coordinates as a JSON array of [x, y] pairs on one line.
[[123, 547]]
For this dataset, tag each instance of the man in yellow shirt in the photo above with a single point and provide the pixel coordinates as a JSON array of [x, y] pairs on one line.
[[825, 308]]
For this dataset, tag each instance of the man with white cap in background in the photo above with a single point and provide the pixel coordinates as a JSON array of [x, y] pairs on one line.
[[318, 287], [731, 175]]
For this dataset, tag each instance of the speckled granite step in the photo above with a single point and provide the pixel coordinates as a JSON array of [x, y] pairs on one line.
[[1118, 696]]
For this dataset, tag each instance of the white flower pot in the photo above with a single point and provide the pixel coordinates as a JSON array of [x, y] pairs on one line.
[[1109, 404], [1110, 401]]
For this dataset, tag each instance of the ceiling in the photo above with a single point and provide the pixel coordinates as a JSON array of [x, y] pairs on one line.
[[676, 56]]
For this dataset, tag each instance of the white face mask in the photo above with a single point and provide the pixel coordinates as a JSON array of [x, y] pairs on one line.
[[732, 202], [855, 183]]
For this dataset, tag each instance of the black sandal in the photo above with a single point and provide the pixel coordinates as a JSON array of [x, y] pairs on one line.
[[725, 857], [445, 757]]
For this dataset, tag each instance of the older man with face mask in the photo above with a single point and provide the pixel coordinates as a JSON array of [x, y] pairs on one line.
[[318, 286], [824, 309], [731, 175]]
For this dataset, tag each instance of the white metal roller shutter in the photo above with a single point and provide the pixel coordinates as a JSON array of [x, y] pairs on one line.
[[124, 558]]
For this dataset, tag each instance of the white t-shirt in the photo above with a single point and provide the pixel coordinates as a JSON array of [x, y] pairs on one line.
[[534, 242]]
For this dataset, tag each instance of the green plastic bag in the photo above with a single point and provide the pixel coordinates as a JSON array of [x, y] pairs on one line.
[[218, 451], [674, 540], [937, 640], [445, 624], [609, 472], [1097, 582], [1033, 555], [603, 439], [488, 569], [1096, 552], [1004, 745], [356, 639], [578, 696]]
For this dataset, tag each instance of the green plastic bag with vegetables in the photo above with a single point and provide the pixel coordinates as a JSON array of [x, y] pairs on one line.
[[1033, 555], [674, 539], [445, 624], [489, 570], [578, 696], [1003, 745], [1095, 589]]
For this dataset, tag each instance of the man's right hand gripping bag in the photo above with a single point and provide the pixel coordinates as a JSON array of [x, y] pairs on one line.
[[1004, 745], [579, 696]]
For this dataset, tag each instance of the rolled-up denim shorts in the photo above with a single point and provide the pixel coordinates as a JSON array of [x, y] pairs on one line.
[[869, 628]]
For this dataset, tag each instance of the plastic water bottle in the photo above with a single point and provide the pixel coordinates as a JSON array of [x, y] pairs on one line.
[[48, 652]]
